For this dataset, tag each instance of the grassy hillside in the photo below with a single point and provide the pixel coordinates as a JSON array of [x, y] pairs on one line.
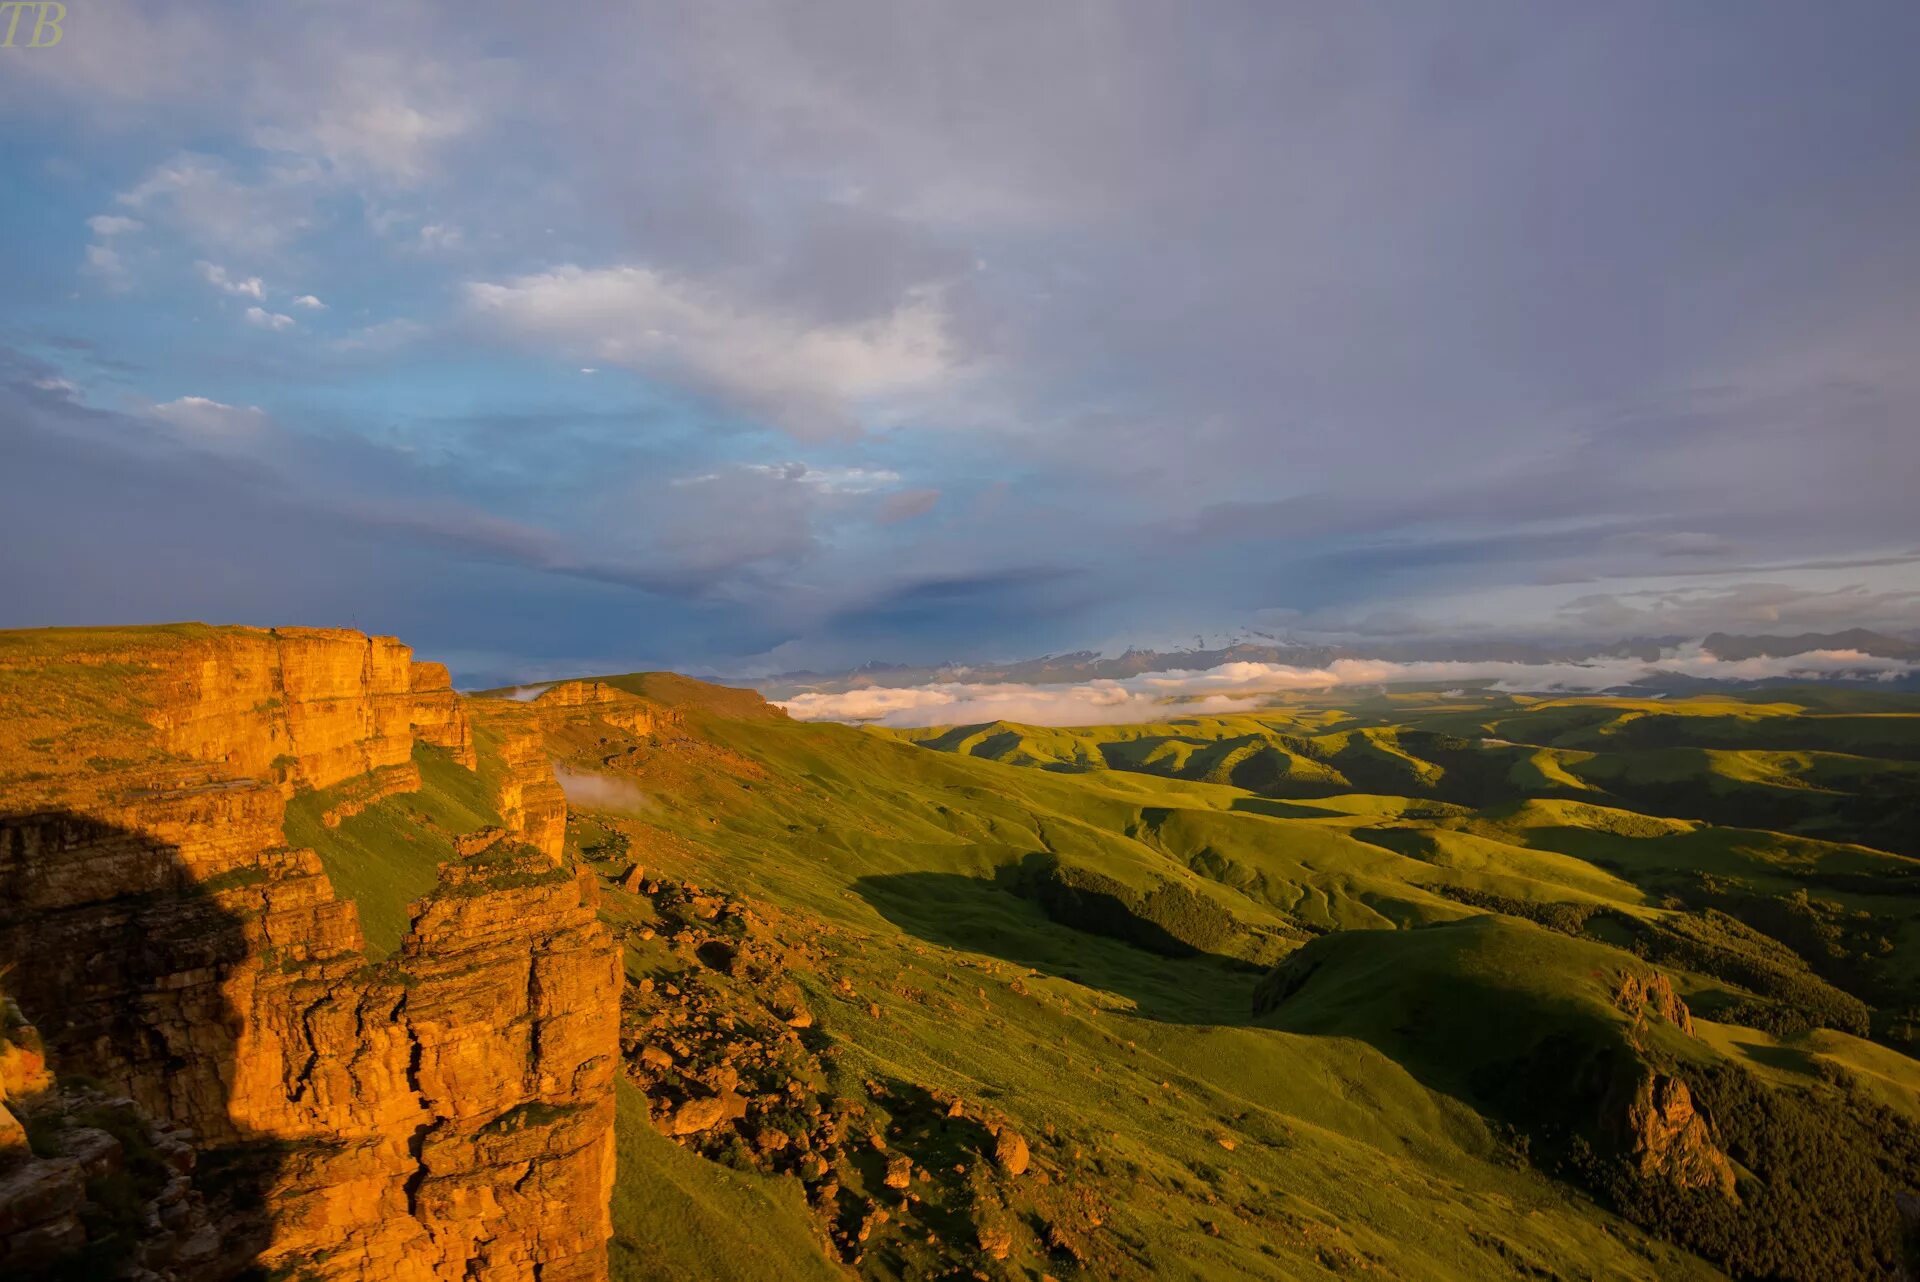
[[1073, 933], [1397, 987]]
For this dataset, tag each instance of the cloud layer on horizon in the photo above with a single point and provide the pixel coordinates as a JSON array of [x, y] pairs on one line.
[[1246, 687]]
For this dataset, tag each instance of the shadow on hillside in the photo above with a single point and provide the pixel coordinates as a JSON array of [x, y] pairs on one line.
[[1173, 983], [118, 957], [1273, 808]]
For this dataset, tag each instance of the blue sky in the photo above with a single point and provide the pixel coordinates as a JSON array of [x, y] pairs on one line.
[[746, 337]]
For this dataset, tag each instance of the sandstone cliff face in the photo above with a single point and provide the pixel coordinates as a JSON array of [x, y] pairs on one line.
[[306, 705], [614, 706], [444, 1114], [529, 797], [439, 718]]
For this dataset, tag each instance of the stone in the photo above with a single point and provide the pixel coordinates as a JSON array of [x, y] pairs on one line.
[[1010, 1151], [696, 1115]]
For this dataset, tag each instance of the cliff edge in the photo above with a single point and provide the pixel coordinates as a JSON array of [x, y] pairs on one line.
[[197, 987]]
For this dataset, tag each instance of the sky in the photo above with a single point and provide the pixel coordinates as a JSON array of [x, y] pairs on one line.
[[749, 337]]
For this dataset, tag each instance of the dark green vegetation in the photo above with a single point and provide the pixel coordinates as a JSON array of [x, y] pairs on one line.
[[1462, 1065]]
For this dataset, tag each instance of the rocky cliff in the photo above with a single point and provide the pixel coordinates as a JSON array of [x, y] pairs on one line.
[[445, 1113]]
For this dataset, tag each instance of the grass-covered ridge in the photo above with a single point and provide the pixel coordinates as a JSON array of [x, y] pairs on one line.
[[1338, 988], [1073, 930]]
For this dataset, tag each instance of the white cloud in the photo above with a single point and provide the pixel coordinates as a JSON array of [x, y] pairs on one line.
[[104, 225], [104, 260], [268, 320], [218, 277], [1243, 687], [812, 379], [309, 302], [441, 236], [601, 792], [384, 116], [828, 480], [213, 424], [206, 200]]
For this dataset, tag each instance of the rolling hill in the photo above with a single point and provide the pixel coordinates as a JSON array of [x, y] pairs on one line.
[[1438, 986]]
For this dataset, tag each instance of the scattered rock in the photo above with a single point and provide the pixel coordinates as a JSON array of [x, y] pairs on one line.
[[478, 842], [697, 1115], [995, 1241], [1010, 1151]]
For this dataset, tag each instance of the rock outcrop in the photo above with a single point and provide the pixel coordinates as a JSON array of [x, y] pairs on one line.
[[443, 1114], [528, 796], [616, 707], [438, 716], [1667, 1138], [1637, 994]]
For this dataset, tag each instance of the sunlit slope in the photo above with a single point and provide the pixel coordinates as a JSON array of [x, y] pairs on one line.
[[1076, 931], [1850, 774], [1125, 1060]]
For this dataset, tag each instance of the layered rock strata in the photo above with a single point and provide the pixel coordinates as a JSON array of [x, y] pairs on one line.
[[445, 1114]]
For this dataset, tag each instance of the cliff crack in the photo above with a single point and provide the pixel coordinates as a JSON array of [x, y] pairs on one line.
[[303, 1079]]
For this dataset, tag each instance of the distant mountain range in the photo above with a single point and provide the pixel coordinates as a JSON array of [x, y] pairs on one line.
[[1090, 665]]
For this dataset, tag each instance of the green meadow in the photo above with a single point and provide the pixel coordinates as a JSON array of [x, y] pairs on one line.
[[1328, 990]]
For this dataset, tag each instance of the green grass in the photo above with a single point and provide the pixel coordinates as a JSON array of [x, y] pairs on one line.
[[1137, 1061], [389, 854], [678, 1217], [1073, 929], [1372, 1130]]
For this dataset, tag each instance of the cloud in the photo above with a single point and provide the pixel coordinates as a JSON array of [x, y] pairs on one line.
[[1376, 378], [384, 115], [1799, 597], [104, 225], [309, 302], [265, 319], [221, 207], [382, 336], [105, 263], [601, 792], [908, 504], [828, 480], [438, 237], [104, 260], [1244, 687], [812, 379], [1735, 607], [217, 276], [206, 422]]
